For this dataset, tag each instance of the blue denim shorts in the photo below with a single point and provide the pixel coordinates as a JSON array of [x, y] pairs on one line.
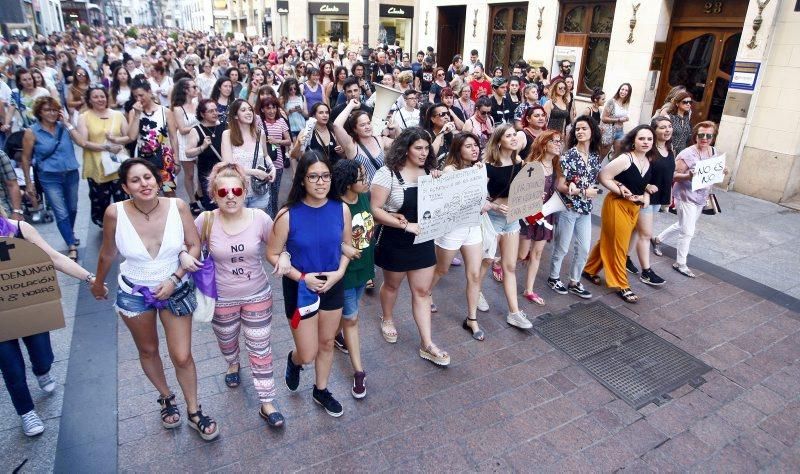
[[500, 225], [181, 303], [651, 209], [619, 132], [351, 298]]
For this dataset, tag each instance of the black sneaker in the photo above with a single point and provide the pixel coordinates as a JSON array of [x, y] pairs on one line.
[[292, 374], [556, 285], [578, 290], [359, 388], [324, 399], [338, 342], [649, 277], [630, 266]]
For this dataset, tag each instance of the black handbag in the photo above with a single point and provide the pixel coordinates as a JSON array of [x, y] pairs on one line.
[[259, 187], [712, 206]]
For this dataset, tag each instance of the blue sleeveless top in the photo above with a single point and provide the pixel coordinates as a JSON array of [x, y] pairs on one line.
[[50, 154], [312, 97], [315, 236]]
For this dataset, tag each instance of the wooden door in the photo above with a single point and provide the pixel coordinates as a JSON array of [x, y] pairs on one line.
[[701, 59], [506, 39], [450, 37]]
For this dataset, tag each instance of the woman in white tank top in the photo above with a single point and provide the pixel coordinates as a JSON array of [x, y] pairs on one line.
[[159, 243]]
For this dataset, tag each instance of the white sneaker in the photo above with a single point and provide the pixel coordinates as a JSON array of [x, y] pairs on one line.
[[519, 320], [31, 424], [483, 305], [46, 383]]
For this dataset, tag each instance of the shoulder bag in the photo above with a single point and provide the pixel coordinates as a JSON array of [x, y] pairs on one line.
[[259, 187], [112, 161], [205, 282]]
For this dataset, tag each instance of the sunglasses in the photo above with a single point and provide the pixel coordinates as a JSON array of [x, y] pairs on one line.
[[442, 114], [484, 112], [687, 101], [223, 192], [706, 136]]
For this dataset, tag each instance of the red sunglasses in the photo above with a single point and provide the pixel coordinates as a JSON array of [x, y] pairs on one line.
[[223, 192]]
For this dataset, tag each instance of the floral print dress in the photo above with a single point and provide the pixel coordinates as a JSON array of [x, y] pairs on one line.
[[153, 145]]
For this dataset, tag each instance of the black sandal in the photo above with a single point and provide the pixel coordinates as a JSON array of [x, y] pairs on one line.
[[274, 419], [592, 278], [169, 409], [202, 423], [628, 296], [232, 380], [478, 335]]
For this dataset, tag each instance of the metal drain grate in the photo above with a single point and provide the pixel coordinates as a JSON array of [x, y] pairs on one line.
[[635, 364]]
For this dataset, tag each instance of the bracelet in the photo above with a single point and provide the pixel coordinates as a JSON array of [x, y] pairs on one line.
[[405, 227], [176, 280], [287, 253], [89, 278], [181, 252]]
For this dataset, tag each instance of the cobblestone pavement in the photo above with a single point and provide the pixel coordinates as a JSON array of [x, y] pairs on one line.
[[510, 403]]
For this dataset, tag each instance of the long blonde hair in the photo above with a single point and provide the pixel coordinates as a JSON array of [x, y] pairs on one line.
[[492, 152]]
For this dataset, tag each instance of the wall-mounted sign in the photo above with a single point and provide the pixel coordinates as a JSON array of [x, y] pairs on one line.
[[745, 75], [329, 8], [283, 7], [396, 11]]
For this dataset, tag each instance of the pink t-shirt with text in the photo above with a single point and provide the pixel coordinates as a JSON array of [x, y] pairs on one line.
[[239, 258]]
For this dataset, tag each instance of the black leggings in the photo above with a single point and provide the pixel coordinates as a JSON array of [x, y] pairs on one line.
[[100, 195]]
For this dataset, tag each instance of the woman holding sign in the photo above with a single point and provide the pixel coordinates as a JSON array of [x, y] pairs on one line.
[[534, 235], [394, 205], [627, 178], [503, 163], [688, 203], [465, 152], [40, 351]]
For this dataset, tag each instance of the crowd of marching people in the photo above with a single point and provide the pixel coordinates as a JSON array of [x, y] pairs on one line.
[[139, 118]]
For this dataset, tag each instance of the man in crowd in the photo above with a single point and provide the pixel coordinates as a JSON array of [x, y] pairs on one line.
[[352, 90]]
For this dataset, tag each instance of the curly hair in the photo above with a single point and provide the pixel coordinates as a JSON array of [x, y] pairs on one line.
[[594, 141], [345, 174], [398, 153], [216, 92], [43, 101], [179, 94], [352, 120]]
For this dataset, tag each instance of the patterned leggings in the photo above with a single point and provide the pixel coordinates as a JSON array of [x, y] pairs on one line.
[[100, 195], [257, 321]]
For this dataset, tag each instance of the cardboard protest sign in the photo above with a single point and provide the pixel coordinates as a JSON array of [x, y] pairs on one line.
[[525, 193], [450, 202], [708, 172], [30, 299]]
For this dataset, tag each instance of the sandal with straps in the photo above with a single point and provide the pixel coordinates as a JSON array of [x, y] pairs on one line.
[[200, 422], [388, 331], [592, 278], [477, 334], [628, 296], [168, 410], [435, 355]]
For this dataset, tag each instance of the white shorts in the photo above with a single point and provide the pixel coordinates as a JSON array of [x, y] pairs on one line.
[[457, 238]]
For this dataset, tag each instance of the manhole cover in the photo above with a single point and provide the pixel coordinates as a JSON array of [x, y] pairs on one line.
[[635, 364]]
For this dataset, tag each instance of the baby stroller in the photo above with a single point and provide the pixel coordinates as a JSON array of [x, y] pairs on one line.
[[35, 208]]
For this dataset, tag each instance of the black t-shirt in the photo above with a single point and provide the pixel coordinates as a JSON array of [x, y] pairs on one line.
[[207, 158], [502, 112], [662, 169], [425, 80], [379, 71]]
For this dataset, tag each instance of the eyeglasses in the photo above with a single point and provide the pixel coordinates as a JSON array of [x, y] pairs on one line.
[[47, 111], [689, 101], [316, 178], [556, 141], [705, 136], [223, 192], [208, 111]]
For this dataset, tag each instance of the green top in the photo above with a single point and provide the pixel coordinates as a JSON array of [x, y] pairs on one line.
[[360, 270]]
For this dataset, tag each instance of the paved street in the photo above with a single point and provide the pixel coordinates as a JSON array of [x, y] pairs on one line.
[[512, 402]]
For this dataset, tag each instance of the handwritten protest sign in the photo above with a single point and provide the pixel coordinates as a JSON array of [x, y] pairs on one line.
[[708, 172], [450, 202], [30, 300], [525, 193]]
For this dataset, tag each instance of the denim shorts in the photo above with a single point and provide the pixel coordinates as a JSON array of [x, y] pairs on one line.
[[619, 132], [351, 298], [181, 303], [651, 209], [500, 225]]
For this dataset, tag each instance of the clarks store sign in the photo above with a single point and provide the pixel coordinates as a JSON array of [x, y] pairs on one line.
[[329, 8], [283, 7], [395, 11]]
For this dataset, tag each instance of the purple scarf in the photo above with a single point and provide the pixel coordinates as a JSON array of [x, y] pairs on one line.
[[7, 229]]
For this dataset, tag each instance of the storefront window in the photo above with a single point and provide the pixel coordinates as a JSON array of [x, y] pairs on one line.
[[591, 23], [330, 28], [395, 29]]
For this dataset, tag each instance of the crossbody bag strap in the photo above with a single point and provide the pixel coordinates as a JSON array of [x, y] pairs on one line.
[[255, 152], [58, 143], [369, 155]]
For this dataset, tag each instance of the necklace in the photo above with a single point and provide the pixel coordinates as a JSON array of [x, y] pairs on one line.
[[146, 214], [211, 133]]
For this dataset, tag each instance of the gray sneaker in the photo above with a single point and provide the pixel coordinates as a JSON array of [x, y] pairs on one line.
[[518, 320], [46, 382], [31, 424], [483, 305]]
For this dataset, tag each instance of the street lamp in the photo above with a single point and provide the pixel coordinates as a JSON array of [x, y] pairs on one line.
[[364, 43]]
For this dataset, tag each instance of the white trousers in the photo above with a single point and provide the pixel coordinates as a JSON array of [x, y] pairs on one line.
[[688, 213]]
